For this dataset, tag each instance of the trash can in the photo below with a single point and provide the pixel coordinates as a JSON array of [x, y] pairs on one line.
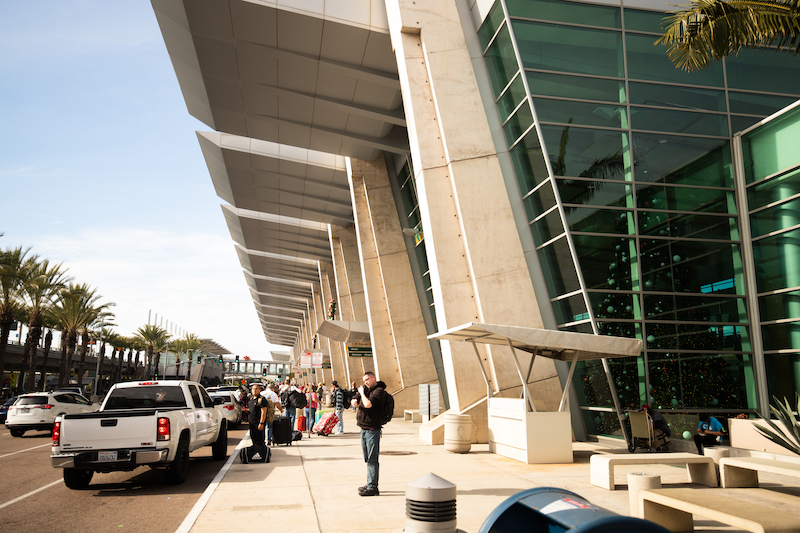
[[552, 510]]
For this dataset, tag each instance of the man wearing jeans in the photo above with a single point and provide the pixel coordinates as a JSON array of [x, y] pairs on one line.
[[370, 404], [337, 399]]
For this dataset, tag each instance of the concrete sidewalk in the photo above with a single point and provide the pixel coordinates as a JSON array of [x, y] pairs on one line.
[[311, 486]]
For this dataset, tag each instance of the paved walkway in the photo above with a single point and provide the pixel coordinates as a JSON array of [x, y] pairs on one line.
[[311, 486]]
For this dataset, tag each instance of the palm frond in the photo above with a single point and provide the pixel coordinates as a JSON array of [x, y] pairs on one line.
[[784, 413]]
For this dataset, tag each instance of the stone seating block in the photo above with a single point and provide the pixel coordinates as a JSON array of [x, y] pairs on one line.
[[743, 471], [412, 415], [700, 468]]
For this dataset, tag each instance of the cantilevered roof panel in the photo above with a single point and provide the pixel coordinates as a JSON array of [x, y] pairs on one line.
[[319, 75]]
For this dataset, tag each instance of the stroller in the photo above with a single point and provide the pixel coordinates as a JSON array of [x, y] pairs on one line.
[[643, 435]]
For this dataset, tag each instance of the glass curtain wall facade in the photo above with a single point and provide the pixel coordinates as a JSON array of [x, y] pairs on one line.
[[624, 166]]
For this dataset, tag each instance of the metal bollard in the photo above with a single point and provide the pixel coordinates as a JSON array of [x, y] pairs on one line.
[[430, 505]]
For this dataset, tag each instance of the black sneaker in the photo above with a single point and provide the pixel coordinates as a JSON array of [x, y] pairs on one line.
[[369, 492]]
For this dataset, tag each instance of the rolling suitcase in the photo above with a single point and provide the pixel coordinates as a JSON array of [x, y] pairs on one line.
[[281, 430], [326, 424], [255, 454], [301, 423]]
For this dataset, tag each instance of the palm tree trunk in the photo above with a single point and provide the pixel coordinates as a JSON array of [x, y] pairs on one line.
[[136, 374], [189, 367], [62, 370], [36, 331], [149, 360], [48, 342], [6, 319], [128, 364], [84, 351], [21, 385], [157, 361]]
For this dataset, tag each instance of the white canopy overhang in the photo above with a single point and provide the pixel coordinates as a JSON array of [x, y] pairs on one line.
[[345, 331]]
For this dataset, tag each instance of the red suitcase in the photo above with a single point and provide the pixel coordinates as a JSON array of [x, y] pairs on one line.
[[326, 424], [301, 423]]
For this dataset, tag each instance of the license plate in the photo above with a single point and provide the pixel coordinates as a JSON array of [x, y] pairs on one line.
[[103, 457], [24, 411]]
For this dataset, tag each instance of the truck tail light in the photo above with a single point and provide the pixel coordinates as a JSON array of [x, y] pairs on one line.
[[57, 434], [229, 407], [163, 428]]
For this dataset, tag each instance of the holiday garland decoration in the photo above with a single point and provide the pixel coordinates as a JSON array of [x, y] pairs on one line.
[[332, 309]]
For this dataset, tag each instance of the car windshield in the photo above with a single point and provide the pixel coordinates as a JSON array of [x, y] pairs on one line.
[[32, 400], [146, 397]]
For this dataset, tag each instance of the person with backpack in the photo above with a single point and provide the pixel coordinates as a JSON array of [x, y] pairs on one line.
[[340, 402], [290, 401], [371, 401]]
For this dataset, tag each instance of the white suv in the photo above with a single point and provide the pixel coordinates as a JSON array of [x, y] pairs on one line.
[[232, 409], [38, 411]]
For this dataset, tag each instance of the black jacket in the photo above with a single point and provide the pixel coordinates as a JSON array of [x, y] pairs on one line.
[[370, 418], [256, 405]]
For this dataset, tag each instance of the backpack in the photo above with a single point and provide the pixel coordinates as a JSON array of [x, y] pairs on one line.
[[297, 399], [270, 407], [387, 412]]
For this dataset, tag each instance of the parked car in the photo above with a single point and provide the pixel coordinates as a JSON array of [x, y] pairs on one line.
[[233, 411], [76, 390], [4, 408], [38, 411]]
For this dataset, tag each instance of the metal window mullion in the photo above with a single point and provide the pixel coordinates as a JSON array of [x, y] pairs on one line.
[[748, 260]]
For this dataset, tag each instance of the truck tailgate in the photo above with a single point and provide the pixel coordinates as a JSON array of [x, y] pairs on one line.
[[109, 430]]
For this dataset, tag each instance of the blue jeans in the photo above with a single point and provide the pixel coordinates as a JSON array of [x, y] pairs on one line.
[[269, 431], [340, 423], [310, 412], [291, 412], [371, 446]]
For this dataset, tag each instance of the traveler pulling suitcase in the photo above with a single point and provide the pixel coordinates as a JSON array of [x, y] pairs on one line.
[[255, 454], [281, 430], [326, 424]]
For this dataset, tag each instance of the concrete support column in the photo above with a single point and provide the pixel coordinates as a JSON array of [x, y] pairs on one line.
[[322, 374], [477, 264], [401, 352], [339, 370]]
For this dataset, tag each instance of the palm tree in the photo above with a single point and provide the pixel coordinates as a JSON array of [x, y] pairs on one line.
[[712, 29], [42, 287], [13, 271], [136, 344], [192, 344], [155, 339]]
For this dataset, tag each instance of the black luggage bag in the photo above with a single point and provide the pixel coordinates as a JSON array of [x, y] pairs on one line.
[[281, 430], [258, 453]]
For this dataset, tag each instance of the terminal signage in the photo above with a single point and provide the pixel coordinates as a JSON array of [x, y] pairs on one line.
[[359, 351]]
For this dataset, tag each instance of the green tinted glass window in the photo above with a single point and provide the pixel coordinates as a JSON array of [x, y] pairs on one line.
[[567, 86], [776, 218], [687, 266], [777, 261], [604, 193], [784, 336], [716, 381], [686, 160], [569, 309], [679, 121], [605, 261], [680, 97], [651, 63], [740, 123], [683, 308], [593, 220], [547, 227], [529, 164], [780, 306], [774, 190], [601, 422], [614, 305], [783, 370], [558, 269], [637, 20], [684, 198], [687, 226], [541, 200], [758, 104], [569, 49], [772, 147], [629, 330], [588, 153], [590, 114], [561, 11], [501, 62], [489, 27], [515, 94], [764, 70], [518, 124]]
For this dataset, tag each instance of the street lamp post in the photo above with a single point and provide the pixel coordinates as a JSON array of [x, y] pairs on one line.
[[95, 387]]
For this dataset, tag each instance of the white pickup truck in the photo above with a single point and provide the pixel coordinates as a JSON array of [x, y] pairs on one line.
[[140, 423]]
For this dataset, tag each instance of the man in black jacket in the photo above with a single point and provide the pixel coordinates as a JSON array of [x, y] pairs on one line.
[[257, 419], [370, 404]]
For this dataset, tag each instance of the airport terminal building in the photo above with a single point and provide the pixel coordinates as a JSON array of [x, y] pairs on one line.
[[394, 168]]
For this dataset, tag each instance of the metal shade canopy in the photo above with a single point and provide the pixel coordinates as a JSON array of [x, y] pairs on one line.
[[561, 345], [345, 331]]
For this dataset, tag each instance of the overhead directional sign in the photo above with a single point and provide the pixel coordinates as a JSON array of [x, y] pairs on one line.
[[359, 351]]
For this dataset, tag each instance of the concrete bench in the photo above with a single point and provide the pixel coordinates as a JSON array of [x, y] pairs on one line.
[[412, 414], [701, 469], [743, 471], [673, 509]]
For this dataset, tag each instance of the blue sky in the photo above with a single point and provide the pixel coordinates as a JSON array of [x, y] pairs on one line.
[[100, 169]]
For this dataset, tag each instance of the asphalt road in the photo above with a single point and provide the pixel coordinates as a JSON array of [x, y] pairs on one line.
[[34, 499]]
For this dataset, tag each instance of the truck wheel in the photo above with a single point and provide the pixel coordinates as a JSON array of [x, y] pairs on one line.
[[17, 432], [219, 449], [178, 470], [77, 478]]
